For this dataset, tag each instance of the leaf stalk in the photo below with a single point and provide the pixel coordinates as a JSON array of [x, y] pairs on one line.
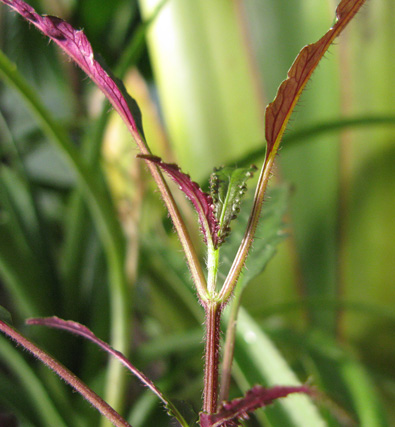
[[241, 256]]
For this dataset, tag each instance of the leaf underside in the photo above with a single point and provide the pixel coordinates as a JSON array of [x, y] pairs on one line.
[[232, 413], [201, 201], [76, 45], [81, 330]]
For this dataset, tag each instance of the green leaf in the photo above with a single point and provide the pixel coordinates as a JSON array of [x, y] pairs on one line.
[[260, 362], [24, 264], [32, 386], [186, 410], [339, 368], [227, 188], [268, 235], [103, 213], [5, 315], [363, 393]]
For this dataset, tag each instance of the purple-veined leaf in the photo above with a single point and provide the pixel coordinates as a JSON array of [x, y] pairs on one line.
[[201, 201], [231, 413], [76, 45], [279, 111]]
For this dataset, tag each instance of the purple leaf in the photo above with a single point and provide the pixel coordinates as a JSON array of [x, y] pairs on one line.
[[95, 400], [83, 331], [76, 45], [201, 201], [231, 413]]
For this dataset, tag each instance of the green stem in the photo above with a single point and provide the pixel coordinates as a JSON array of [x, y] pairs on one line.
[[238, 263], [212, 270], [183, 234]]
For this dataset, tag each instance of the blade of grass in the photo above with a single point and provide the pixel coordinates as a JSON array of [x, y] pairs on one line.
[[363, 393], [277, 116], [103, 213], [21, 218], [10, 400], [34, 223], [336, 363], [261, 362], [91, 148], [66, 375], [367, 308], [309, 133], [43, 404]]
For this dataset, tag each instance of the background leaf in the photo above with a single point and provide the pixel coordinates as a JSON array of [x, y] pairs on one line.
[[259, 362], [211, 68]]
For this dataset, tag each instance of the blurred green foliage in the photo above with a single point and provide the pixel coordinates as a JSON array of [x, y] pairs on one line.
[[326, 299]]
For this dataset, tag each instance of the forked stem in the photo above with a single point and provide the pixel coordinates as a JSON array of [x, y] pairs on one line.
[[241, 256]]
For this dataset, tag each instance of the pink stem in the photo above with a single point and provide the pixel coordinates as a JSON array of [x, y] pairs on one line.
[[213, 317], [66, 375]]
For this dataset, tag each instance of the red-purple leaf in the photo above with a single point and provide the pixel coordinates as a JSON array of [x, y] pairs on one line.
[[201, 201], [83, 331], [76, 45], [280, 110], [231, 413], [95, 400]]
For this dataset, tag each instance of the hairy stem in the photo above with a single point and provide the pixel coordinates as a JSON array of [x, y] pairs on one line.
[[212, 269], [213, 317], [238, 263], [67, 376], [183, 234], [229, 347]]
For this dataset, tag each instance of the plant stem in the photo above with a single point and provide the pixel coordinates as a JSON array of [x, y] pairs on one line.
[[212, 269], [238, 263], [312, 132], [213, 317], [229, 347], [67, 376], [183, 234]]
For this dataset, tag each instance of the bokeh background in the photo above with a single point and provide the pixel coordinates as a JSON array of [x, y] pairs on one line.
[[202, 73]]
